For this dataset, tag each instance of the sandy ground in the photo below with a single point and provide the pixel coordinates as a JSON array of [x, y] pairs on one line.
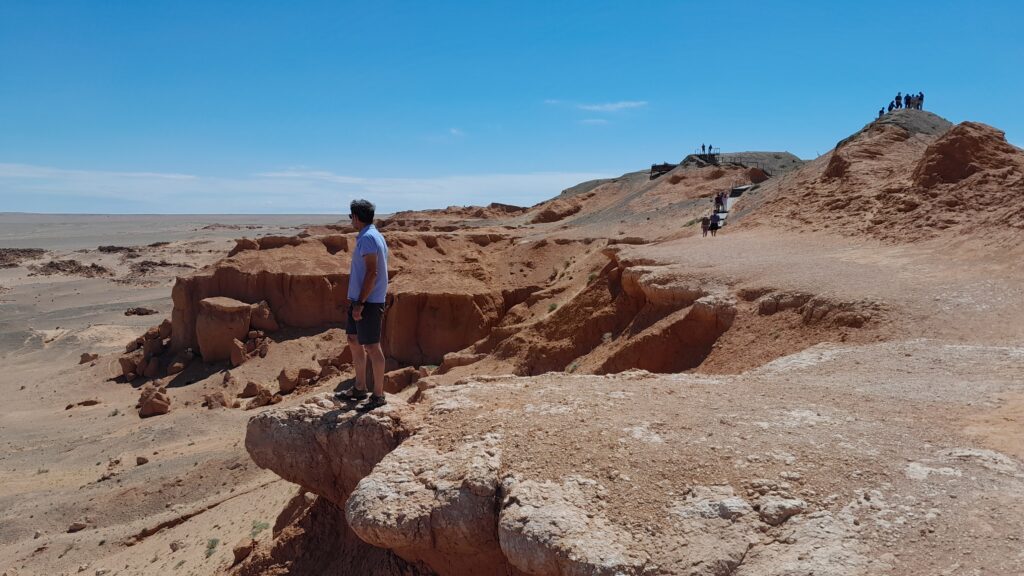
[[60, 466]]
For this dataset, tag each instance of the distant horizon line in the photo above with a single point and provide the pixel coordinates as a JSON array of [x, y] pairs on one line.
[[181, 213]]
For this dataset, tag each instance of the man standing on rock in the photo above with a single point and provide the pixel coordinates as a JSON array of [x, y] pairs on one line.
[[367, 289]]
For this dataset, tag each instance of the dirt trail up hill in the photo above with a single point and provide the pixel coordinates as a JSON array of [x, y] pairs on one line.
[[585, 386]]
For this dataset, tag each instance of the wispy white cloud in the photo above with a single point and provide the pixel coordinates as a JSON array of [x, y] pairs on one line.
[[552, 102], [30, 171], [613, 106], [30, 188], [593, 121], [456, 132]]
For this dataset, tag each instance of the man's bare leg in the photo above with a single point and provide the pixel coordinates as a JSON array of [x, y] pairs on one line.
[[376, 354], [359, 362]]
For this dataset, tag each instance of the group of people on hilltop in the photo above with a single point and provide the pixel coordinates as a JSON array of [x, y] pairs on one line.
[[713, 222], [908, 101], [707, 153]]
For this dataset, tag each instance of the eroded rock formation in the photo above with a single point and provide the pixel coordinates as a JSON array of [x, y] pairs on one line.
[[303, 284], [220, 323], [457, 506]]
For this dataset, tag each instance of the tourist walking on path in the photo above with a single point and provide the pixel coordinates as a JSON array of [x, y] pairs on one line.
[[705, 222], [716, 222], [367, 291]]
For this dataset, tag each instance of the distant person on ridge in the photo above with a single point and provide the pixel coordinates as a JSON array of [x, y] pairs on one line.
[[920, 100], [906, 101], [899, 100], [881, 112], [891, 106], [367, 290], [702, 150], [705, 222]]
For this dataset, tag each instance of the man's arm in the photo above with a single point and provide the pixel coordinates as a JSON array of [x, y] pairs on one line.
[[371, 276]]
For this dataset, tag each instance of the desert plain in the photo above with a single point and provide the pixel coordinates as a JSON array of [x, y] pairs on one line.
[[832, 385]]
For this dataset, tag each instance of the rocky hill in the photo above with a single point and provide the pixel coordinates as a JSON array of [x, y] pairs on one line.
[[907, 177]]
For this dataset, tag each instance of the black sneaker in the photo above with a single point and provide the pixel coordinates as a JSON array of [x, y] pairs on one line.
[[373, 403], [351, 395]]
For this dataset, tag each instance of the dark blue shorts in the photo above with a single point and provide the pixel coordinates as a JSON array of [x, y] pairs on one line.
[[368, 329]]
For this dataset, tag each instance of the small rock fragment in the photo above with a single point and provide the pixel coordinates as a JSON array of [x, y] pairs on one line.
[[243, 549], [776, 510]]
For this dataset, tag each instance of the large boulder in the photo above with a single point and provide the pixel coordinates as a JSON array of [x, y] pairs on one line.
[[251, 390], [238, 353], [291, 377], [263, 317], [220, 321], [129, 363], [153, 401]]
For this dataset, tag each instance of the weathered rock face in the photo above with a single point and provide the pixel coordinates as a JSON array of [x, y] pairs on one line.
[[312, 538], [219, 323], [968, 148], [323, 449], [546, 528], [434, 508], [420, 328], [554, 211], [303, 285], [458, 508], [263, 318]]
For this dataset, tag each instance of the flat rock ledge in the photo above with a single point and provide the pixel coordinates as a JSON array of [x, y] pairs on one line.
[[326, 449], [458, 510]]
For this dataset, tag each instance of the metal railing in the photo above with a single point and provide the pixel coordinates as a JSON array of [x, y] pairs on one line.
[[747, 161]]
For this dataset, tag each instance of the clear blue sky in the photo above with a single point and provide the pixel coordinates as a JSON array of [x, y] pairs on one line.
[[244, 107]]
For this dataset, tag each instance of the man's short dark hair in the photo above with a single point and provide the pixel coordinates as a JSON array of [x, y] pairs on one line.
[[363, 209]]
